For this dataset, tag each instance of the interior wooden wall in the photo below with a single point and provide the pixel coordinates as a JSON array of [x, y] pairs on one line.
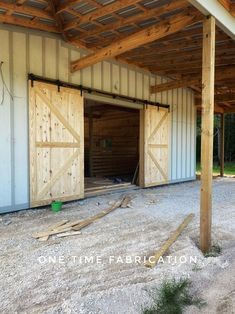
[[122, 128]]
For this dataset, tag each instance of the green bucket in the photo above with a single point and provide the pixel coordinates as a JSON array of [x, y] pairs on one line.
[[56, 206]]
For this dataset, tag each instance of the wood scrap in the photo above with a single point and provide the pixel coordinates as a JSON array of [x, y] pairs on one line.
[[48, 233], [126, 202], [67, 226], [68, 234], [53, 227], [155, 258], [42, 239], [99, 215]]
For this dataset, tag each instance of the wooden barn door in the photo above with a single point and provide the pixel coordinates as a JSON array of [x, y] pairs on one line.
[[154, 137], [56, 144]]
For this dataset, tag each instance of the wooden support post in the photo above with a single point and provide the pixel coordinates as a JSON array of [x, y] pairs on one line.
[[208, 78], [91, 143], [222, 145]]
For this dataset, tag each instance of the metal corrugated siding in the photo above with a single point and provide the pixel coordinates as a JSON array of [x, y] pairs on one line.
[[46, 55]]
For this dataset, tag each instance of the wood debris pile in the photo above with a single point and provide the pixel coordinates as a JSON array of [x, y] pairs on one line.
[[69, 228]]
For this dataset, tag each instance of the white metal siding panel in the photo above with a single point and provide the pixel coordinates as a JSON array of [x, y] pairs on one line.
[[193, 137], [35, 54], [153, 82], [63, 65], [116, 79], [174, 136], [124, 85], [86, 77], [183, 133], [146, 87], [5, 126], [19, 91], [46, 55], [132, 83], [139, 84], [158, 98], [50, 58]]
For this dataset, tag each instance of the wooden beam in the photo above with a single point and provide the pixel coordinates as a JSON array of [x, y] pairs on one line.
[[104, 10], [229, 6], [220, 97], [164, 28], [28, 23], [177, 4], [184, 67], [58, 18], [222, 145], [208, 82], [153, 260], [217, 109], [174, 84], [232, 9], [28, 10], [225, 97], [226, 4], [193, 55], [171, 47], [187, 80], [66, 5]]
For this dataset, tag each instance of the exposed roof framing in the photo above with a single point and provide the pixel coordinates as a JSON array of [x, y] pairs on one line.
[[222, 73], [229, 6], [142, 37], [161, 36]]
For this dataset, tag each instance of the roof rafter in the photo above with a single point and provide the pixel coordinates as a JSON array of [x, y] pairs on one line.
[[229, 6], [187, 80], [105, 10], [28, 23], [134, 19], [25, 9], [147, 35]]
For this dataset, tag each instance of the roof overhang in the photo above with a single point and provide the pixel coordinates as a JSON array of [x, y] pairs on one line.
[[223, 18]]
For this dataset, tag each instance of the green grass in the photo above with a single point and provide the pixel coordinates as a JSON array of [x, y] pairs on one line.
[[229, 168], [215, 251], [172, 298]]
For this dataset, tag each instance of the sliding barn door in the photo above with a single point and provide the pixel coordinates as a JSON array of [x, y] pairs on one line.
[[154, 145], [56, 144]]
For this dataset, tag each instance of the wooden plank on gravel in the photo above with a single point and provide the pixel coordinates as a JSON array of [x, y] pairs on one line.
[[50, 232], [99, 215], [155, 258], [59, 228], [78, 224], [69, 224], [68, 234], [126, 202], [53, 227]]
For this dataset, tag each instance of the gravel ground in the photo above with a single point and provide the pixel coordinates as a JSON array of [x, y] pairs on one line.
[[54, 277]]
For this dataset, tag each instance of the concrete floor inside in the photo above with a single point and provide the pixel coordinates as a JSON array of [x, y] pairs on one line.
[[53, 276]]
